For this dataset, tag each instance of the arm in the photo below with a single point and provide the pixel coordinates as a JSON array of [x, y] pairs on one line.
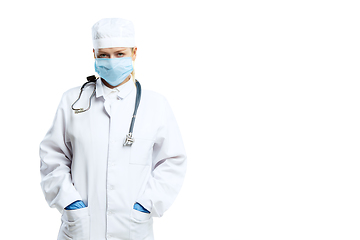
[[55, 164], [169, 167]]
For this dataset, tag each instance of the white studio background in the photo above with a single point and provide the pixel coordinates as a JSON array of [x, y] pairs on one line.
[[266, 94]]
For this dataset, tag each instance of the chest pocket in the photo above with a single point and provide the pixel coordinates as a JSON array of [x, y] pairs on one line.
[[141, 151]]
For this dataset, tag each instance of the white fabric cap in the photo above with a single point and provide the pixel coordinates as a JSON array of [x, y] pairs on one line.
[[113, 32]]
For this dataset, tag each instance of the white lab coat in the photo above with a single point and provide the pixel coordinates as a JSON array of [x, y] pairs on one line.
[[83, 158]]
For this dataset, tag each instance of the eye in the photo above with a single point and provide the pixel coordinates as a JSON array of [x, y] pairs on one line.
[[120, 54], [102, 55]]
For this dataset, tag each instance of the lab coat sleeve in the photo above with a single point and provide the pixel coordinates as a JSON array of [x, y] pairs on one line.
[[169, 166], [55, 163]]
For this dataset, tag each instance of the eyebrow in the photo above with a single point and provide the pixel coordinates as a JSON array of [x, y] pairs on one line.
[[104, 51]]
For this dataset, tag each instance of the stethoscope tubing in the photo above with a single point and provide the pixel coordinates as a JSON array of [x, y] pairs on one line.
[[92, 80]]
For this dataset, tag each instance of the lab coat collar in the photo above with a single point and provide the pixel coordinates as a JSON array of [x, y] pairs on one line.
[[124, 90]]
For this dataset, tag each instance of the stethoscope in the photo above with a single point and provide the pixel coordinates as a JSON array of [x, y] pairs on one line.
[[92, 80]]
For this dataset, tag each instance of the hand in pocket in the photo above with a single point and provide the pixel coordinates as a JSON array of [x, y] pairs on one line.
[[137, 206], [75, 224]]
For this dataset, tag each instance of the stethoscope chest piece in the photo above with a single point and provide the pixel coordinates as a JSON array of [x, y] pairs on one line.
[[129, 140]]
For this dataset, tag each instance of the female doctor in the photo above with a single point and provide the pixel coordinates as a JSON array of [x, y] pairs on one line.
[[106, 183]]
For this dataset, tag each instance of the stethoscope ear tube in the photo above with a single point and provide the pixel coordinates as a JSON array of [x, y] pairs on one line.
[[129, 139], [91, 79]]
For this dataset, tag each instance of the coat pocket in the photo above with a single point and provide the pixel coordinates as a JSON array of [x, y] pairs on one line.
[[141, 151], [140, 217], [141, 227], [75, 225]]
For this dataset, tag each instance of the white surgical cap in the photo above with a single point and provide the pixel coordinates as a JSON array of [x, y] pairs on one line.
[[113, 32]]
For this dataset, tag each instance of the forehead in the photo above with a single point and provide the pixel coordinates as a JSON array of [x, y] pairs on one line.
[[115, 49]]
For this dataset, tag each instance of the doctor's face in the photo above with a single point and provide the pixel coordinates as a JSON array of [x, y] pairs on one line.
[[116, 52]]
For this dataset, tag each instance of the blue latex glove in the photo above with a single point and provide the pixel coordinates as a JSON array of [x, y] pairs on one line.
[[76, 205], [140, 208]]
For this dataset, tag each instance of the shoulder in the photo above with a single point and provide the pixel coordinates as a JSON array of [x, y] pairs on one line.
[[152, 96], [155, 99], [157, 103], [73, 93]]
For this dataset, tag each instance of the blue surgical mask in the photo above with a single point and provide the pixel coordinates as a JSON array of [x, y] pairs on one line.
[[114, 70]]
